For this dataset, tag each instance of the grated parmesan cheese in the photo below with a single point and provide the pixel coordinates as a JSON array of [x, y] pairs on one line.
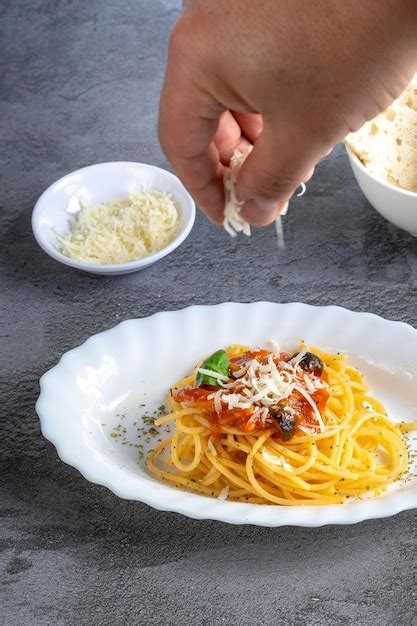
[[211, 448], [223, 495], [122, 230], [233, 221], [264, 385], [313, 406], [276, 460], [212, 374], [274, 346]]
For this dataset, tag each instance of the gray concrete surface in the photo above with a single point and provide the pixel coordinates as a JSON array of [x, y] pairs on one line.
[[81, 83]]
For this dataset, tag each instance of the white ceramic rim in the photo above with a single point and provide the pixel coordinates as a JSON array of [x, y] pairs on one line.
[[201, 507], [354, 160], [119, 267]]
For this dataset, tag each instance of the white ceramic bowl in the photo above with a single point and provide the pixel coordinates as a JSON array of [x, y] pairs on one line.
[[397, 205], [101, 183], [121, 374]]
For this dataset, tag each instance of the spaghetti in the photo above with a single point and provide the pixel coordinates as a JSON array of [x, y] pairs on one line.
[[270, 427]]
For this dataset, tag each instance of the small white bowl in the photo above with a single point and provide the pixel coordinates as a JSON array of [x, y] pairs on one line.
[[101, 183], [397, 205]]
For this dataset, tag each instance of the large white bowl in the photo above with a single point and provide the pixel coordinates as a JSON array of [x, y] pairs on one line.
[[397, 205], [116, 376], [100, 183]]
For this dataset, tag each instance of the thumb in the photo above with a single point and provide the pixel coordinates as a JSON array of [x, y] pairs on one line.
[[277, 165]]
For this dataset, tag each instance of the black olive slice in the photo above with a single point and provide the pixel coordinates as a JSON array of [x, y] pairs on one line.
[[284, 420], [312, 363]]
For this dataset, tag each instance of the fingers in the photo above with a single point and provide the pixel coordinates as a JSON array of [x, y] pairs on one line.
[[236, 131], [228, 138], [259, 218], [199, 137], [277, 165], [186, 139], [188, 120], [250, 123]]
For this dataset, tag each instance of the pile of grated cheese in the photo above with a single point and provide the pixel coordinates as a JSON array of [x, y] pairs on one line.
[[122, 230], [267, 385], [233, 221]]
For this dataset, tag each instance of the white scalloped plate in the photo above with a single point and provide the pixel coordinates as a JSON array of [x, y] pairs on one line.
[[116, 376]]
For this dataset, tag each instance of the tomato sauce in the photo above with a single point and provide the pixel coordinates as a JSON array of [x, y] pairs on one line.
[[261, 356], [240, 418]]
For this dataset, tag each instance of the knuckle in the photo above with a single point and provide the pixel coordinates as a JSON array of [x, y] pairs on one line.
[[178, 40], [184, 37]]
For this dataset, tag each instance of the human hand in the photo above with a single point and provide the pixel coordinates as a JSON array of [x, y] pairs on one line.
[[289, 76]]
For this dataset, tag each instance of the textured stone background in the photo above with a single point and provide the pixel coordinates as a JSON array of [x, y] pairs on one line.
[[81, 86]]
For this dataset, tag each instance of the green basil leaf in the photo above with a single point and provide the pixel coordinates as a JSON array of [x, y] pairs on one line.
[[217, 362]]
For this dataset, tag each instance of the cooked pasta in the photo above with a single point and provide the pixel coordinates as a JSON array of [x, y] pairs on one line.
[[270, 427]]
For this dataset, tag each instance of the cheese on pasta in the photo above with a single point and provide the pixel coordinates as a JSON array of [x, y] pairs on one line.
[[122, 230], [311, 435]]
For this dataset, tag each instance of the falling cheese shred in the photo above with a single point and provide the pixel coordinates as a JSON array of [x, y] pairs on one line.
[[122, 230]]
